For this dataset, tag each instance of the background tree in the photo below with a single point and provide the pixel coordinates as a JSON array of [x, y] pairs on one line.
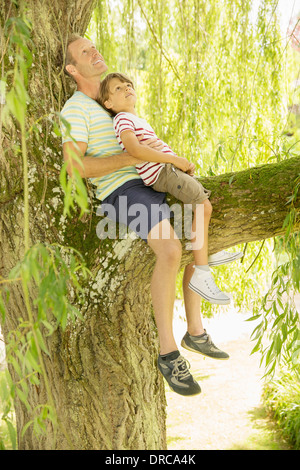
[[81, 345]]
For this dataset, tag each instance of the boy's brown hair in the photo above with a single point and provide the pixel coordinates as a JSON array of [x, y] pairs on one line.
[[104, 88]]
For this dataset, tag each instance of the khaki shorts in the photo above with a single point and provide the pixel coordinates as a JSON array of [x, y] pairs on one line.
[[184, 187]]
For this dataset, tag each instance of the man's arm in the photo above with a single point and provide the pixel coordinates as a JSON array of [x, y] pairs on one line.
[[91, 167]]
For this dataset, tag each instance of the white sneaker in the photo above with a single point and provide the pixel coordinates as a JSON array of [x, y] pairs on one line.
[[203, 283], [223, 257]]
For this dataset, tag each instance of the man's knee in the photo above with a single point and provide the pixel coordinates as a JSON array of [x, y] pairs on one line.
[[173, 249], [171, 252], [168, 251]]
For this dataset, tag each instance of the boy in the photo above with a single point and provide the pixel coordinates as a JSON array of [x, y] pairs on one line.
[[165, 172]]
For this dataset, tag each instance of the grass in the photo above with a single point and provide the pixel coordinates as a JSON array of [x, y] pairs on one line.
[[266, 434], [282, 398], [7, 435]]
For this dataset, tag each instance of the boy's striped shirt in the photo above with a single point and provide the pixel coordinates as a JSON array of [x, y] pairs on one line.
[[91, 124], [148, 171]]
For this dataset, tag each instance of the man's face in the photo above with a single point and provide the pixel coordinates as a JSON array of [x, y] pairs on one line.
[[122, 96], [88, 61]]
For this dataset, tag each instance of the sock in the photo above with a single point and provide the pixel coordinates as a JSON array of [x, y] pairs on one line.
[[199, 336], [170, 356], [203, 267]]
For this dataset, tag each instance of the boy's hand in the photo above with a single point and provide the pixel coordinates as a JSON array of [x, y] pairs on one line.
[[182, 163], [154, 143], [191, 169]]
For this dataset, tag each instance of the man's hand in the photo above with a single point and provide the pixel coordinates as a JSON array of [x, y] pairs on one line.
[[94, 167]]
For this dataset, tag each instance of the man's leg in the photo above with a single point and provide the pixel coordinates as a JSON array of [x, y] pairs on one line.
[[163, 282], [167, 248]]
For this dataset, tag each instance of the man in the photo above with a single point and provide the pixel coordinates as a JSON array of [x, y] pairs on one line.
[[114, 174]]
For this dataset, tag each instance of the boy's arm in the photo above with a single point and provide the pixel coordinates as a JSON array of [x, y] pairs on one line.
[[144, 153], [91, 167]]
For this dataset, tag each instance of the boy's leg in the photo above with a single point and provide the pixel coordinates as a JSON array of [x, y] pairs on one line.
[[188, 190], [192, 304], [200, 225], [196, 338], [202, 281], [201, 220]]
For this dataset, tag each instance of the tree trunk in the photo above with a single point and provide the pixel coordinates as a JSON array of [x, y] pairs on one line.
[[102, 370]]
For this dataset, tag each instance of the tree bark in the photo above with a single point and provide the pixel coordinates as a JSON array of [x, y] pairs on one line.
[[102, 370]]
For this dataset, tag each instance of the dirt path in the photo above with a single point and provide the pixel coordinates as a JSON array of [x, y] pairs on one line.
[[228, 414]]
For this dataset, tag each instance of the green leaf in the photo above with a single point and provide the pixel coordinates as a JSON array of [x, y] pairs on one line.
[[15, 365], [2, 308], [256, 347], [23, 398], [279, 319], [41, 341], [253, 318], [12, 434], [24, 429], [231, 179]]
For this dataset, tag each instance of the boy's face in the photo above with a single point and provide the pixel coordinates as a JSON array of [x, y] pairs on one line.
[[88, 61], [122, 96]]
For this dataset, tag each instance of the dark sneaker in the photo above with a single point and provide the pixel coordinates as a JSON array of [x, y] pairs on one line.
[[203, 344], [175, 370]]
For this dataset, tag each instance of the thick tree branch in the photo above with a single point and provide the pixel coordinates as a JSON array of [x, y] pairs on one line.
[[248, 205], [252, 204]]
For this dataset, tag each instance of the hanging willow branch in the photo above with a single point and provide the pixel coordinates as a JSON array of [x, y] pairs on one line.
[[248, 111], [176, 73]]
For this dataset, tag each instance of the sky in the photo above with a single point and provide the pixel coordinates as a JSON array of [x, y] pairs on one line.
[[287, 9]]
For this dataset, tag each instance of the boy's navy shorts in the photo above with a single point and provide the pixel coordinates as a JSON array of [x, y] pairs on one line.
[[137, 206]]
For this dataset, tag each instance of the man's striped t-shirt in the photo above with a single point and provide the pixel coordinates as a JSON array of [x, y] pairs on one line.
[[148, 171], [91, 124]]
